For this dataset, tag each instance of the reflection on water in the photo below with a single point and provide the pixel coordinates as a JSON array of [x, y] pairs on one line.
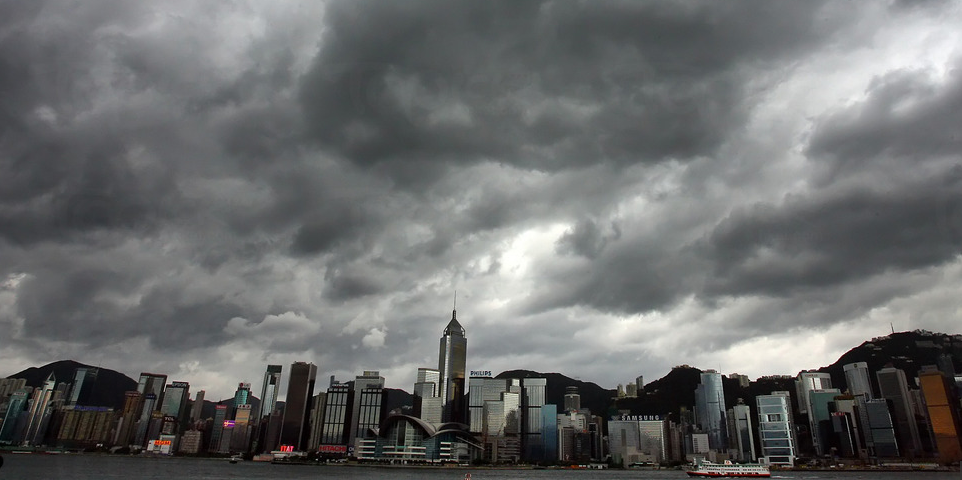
[[91, 467]]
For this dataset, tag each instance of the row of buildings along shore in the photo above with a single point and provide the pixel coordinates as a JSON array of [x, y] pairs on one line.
[[460, 416]]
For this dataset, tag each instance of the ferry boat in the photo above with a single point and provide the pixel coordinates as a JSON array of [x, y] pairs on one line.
[[729, 469]]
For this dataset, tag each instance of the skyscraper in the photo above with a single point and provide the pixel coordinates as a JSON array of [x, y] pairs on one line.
[[262, 422], [808, 381], [894, 387], [176, 395], [367, 404], [452, 359], [776, 428], [242, 396], [83, 386], [743, 432], [151, 386], [337, 405], [427, 400], [858, 380], [13, 415], [710, 409], [942, 404], [39, 411], [198, 408], [295, 431], [532, 428], [572, 399], [272, 384]]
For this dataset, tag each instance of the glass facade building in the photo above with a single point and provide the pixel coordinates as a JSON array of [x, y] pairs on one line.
[[532, 442], [858, 380], [894, 387], [336, 409], [710, 410], [83, 385], [943, 409], [776, 428], [452, 359], [295, 431]]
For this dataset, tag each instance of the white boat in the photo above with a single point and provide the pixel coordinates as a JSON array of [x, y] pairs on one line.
[[729, 469]]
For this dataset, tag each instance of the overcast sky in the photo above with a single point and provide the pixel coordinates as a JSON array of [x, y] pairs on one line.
[[613, 189]]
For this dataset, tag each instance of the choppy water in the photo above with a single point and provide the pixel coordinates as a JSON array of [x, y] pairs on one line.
[[91, 467]]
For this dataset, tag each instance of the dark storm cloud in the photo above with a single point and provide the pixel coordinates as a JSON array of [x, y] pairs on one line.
[[539, 85], [587, 239], [889, 172], [823, 242], [322, 179]]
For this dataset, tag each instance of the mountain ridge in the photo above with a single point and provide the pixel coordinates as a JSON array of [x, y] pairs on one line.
[[908, 351]]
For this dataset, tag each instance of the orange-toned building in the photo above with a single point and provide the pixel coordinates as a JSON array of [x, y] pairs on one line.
[[943, 414]]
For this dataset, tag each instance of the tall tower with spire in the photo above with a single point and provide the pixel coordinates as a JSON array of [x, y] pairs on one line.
[[451, 365]]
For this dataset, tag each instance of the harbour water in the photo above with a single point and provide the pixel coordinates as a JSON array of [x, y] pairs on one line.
[[91, 467]]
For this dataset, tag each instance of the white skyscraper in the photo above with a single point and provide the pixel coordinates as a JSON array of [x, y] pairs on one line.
[[858, 380]]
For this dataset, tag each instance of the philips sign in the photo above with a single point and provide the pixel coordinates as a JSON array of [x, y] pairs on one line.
[[481, 373]]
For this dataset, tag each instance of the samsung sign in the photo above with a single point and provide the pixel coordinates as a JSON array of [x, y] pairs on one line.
[[641, 418], [481, 373]]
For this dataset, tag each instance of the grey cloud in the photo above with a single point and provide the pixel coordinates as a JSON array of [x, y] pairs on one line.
[[906, 117], [403, 87], [825, 241], [587, 239]]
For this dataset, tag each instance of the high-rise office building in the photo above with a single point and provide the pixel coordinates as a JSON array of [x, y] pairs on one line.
[[367, 407], [894, 387], [638, 441], [640, 384], [572, 399], [242, 396], [337, 405], [10, 385], [217, 429], [880, 435], [481, 390], [452, 360], [776, 428], [821, 404], [151, 386], [13, 417], [858, 379], [710, 412], [240, 437], [83, 385], [197, 410], [317, 421], [532, 427], [427, 397], [176, 395], [269, 390], [808, 381], [744, 440], [126, 426], [39, 413], [295, 431], [152, 383], [264, 441], [943, 409]]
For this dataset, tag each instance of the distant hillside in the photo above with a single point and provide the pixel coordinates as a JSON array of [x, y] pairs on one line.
[[593, 397], [908, 351], [110, 386]]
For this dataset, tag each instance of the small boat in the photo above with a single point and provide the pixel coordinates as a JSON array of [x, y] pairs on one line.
[[235, 458], [729, 469]]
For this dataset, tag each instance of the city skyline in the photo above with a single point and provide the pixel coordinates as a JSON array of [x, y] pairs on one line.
[[203, 190]]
